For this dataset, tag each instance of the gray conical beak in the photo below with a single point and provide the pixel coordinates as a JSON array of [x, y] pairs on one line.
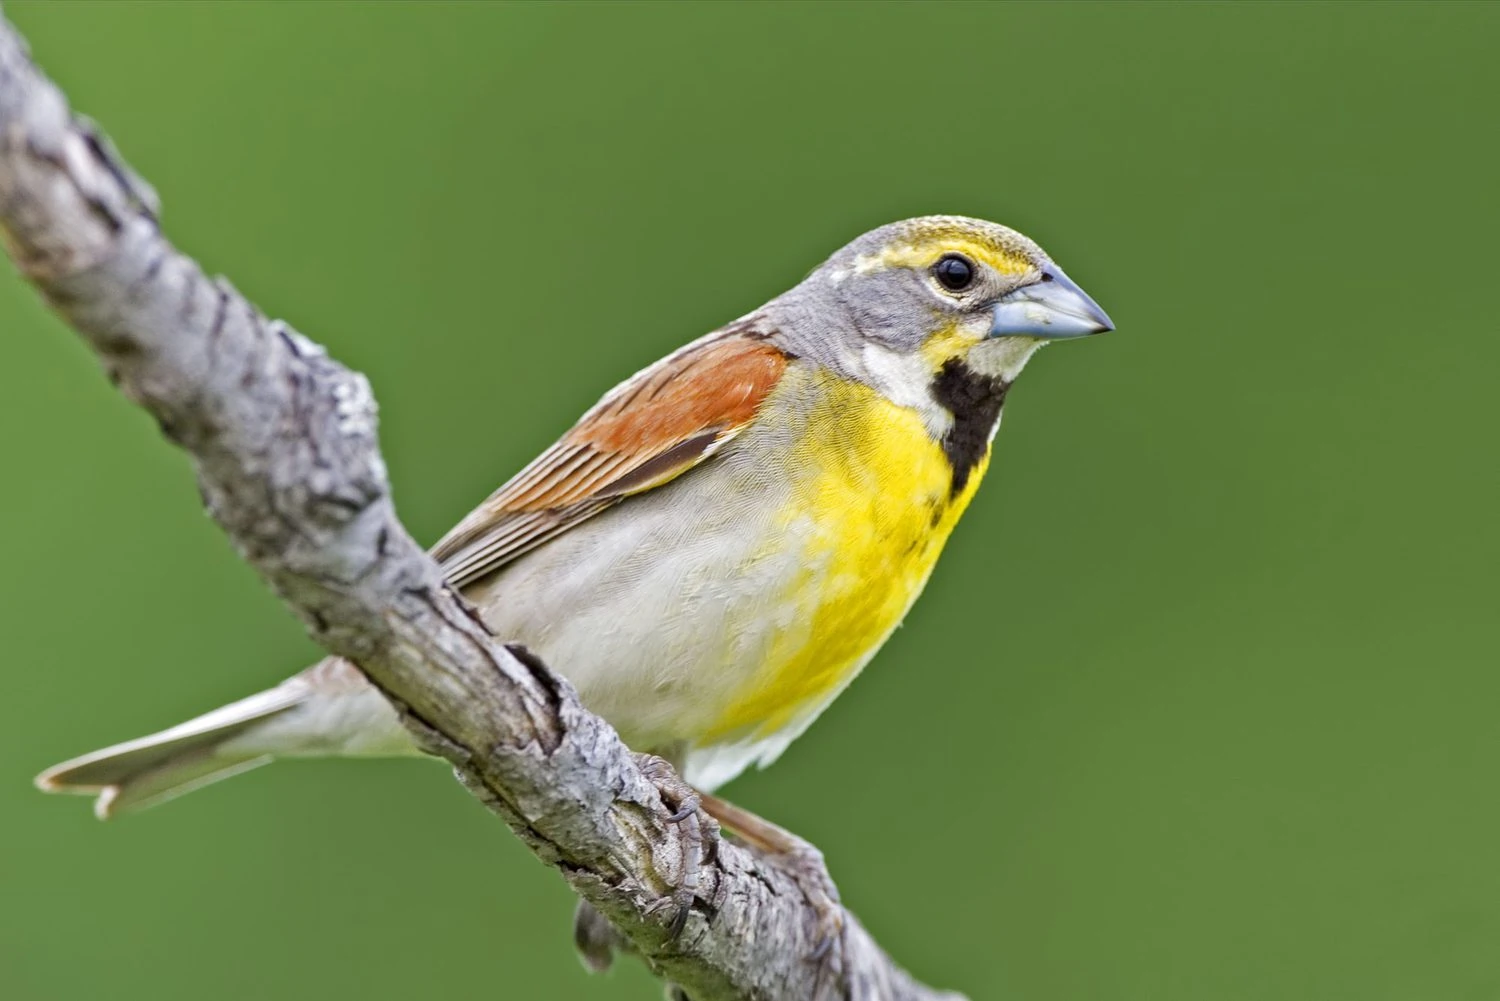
[[1053, 308]]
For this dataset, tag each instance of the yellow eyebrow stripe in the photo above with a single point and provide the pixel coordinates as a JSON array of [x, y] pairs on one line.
[[926, 253]]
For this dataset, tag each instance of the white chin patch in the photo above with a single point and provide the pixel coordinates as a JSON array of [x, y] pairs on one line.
[[905, 379], [1004, 356]]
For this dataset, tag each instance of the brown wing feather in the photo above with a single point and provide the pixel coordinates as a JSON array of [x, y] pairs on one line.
[[649, 430]]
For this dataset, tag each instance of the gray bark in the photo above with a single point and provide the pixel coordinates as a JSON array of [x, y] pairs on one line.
[[283, 439]]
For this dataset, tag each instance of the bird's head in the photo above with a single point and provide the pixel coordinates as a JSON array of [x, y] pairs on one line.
[[913, 297]]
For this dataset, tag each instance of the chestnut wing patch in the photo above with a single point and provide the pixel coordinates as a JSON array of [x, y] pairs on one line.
[[647, 431]]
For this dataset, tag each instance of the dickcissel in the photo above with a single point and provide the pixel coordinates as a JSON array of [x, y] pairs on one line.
[[714, 550]]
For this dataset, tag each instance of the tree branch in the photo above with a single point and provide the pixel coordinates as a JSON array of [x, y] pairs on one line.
[[283, 440]]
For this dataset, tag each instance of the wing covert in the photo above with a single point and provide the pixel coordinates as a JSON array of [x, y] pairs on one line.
[[647, 431]]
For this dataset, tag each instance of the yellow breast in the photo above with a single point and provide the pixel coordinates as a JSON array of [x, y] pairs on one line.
[[871, 507]]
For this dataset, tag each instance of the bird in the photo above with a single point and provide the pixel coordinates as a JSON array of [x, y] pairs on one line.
[[716, 549]]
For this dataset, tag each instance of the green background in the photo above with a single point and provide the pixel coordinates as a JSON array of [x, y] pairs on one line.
[[1201, 704]]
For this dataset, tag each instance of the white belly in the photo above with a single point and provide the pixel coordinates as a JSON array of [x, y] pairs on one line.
[[659, 611]]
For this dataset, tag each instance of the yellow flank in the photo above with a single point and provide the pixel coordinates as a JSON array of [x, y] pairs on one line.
[[874, 509]]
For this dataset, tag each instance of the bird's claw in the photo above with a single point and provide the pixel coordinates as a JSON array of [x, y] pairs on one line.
[[805, 866], [684, 802], [688, 808], [803, 863], [594, 938]]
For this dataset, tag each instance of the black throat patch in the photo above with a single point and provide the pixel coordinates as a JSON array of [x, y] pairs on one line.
[[974, 400]]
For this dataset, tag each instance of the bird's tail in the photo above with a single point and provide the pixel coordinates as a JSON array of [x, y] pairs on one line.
[[150, 770], [328, 710]]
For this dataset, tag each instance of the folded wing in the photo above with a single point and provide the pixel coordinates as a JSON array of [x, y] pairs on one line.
[[647, 431]]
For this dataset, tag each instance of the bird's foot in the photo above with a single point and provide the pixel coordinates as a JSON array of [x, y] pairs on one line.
[[817, 886], [804, 864], [594, 938], [684, 802]]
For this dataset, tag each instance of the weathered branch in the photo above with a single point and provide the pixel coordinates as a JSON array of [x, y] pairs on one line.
[[283, 440]]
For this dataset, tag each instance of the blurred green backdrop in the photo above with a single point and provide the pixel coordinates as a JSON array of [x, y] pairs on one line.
[[1200, 705]]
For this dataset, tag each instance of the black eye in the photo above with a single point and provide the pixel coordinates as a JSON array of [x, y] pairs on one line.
[[954, 272]]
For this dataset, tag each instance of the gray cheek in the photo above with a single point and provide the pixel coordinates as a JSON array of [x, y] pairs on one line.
[[893, 308]]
